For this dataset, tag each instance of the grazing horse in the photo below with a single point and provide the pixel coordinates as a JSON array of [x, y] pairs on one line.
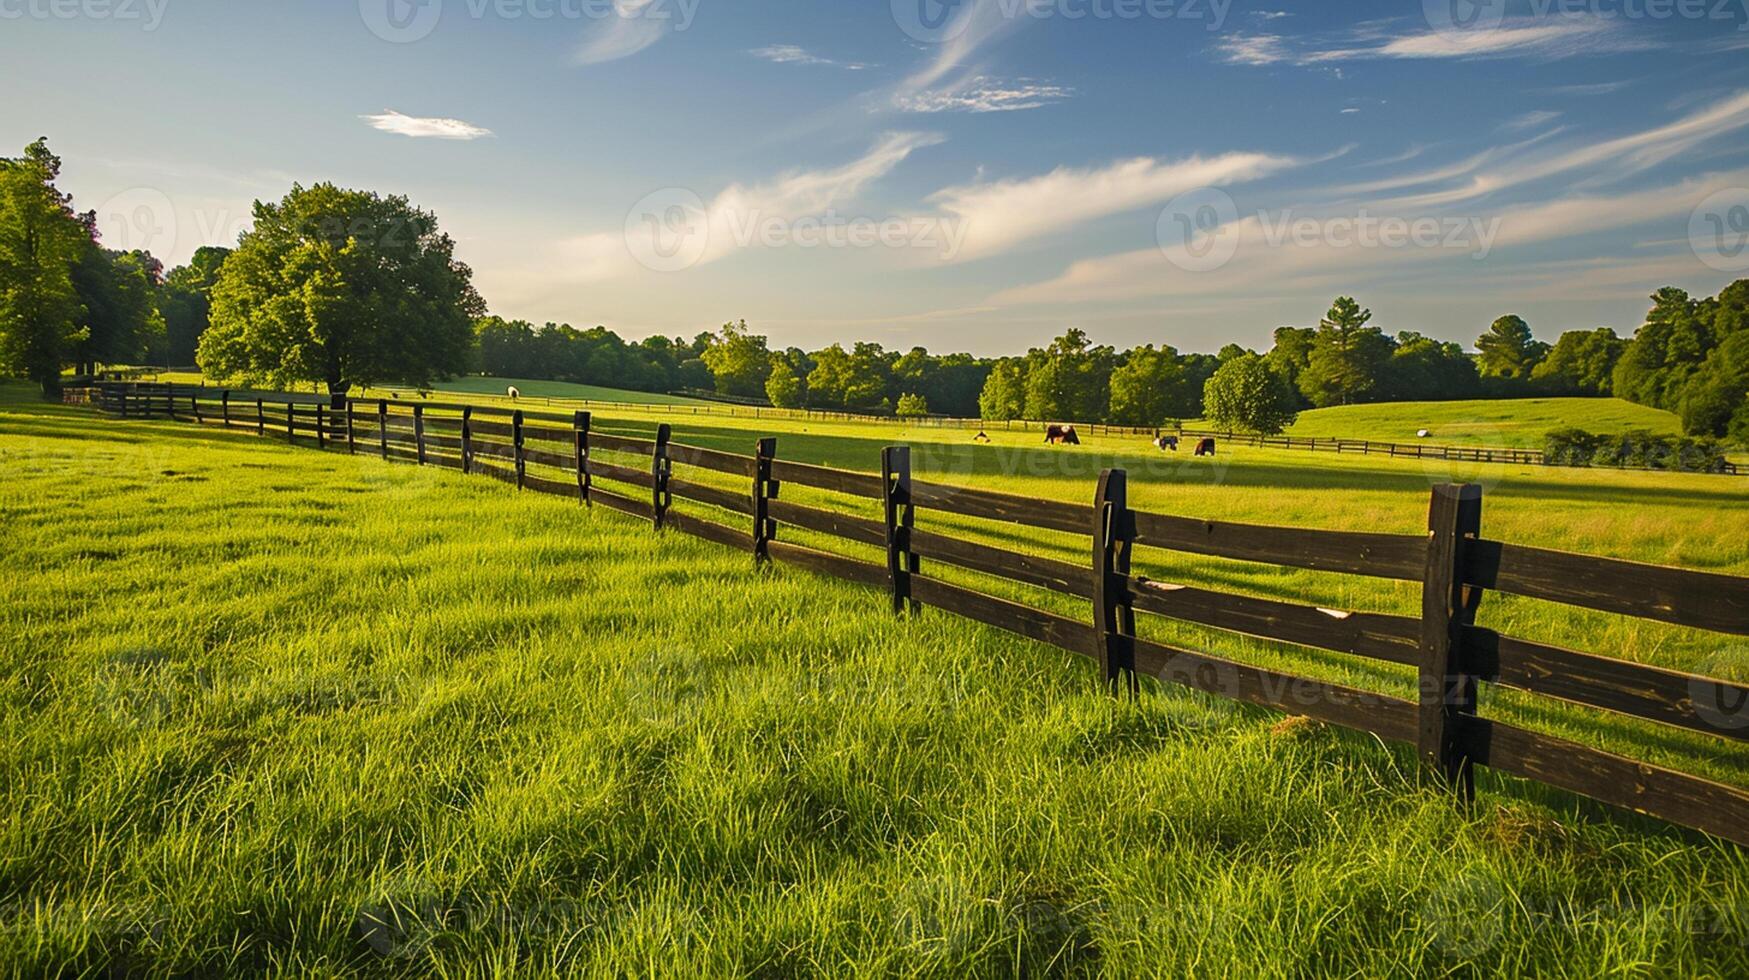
[[982, 436], [1205, 448], [513, 393], [1061, 435], [1166, 444]]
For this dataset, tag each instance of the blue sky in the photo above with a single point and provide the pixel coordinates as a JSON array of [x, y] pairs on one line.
[[972, 177]]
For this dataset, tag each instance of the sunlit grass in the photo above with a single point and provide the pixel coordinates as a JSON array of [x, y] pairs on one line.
[[271, 709]]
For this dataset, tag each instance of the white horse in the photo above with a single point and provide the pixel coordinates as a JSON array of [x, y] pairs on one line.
[[514, 394]]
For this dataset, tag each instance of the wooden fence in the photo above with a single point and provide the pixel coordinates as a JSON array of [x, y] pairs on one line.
[[1403, 450], [561, 455]]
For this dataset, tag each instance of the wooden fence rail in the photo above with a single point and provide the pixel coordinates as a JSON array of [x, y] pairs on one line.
[[564, 456], [1406, 450]]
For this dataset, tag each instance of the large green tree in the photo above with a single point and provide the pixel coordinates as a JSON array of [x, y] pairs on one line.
[[41, 240], [1070, 380], [120, 293], [1003, 397], [186, 303], [1347, 357], [1151, 386], [1508, 350], [1246, 393], [740, 361], [343, 288], [1582, 362]]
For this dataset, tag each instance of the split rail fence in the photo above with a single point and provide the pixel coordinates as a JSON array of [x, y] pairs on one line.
[[1402, 450], [562, 455]]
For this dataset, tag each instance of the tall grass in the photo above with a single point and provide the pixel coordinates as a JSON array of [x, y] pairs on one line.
[[271, 710]]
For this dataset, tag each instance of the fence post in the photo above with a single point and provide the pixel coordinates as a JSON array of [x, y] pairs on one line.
[[419, 432], [765, 490], [1114, 619], [467, 440], [660, 468], [383, 427], [901, 517], [225, 406], [1447, 694], [580, 426], [170, 402], [260, 418], [321, 428], [351, 436], [290, 421], [516, 442], [194, 403]]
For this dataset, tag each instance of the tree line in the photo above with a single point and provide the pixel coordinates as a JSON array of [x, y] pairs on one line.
[[350, 288]]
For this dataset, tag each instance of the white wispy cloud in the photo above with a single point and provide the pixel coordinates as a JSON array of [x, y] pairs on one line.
[[1000, 215], [632, 28], [1532, 119], [425, 127], [786, 198], [1547, 40], [791, 54], [980, 94]]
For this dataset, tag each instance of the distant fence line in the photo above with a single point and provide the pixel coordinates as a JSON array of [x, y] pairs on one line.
[[1416, 450], [1456, 567]]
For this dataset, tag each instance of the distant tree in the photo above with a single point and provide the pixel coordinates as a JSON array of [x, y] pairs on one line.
[[831, 376], [1508, 350], [870, 378], [119, 291], [1423, 369], [40, 240], [1582, 362], [186, 304], [1150, 387], [1246, 393], [1347, 357], [782, 387], [1070, 380], [1004, 394], [912, 406], [342, 288], [1292, 352], [739, 361]]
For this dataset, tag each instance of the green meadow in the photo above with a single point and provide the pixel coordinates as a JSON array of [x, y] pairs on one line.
[[267, 709]]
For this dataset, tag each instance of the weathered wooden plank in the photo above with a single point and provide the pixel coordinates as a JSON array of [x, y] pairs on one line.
[[1704, 600], [1059, 631], [623, 504], [621, 444], [443, 442], [1050, 514], [847, 526], [1392, 556], [1701, 704], [1384, 716], [838, 566], [1447, 694], [623, 474], [711, 459], [715, 496], [1379, 636], [494, 429], [489, 449], [1046, 573], [825, 478], [551, 487], [1702, 804], [563, 461]]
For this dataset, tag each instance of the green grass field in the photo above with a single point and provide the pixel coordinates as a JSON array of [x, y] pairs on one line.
[[1509, 423], [268, 709]]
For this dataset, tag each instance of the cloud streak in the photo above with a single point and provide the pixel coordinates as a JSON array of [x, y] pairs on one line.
[[425, 127]]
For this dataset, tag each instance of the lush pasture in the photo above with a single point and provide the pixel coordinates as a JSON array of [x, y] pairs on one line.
[[266, 708], [1519, 423]]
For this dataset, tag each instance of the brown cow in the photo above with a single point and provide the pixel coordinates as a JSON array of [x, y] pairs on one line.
[[1060, 435], [1205, 448]]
